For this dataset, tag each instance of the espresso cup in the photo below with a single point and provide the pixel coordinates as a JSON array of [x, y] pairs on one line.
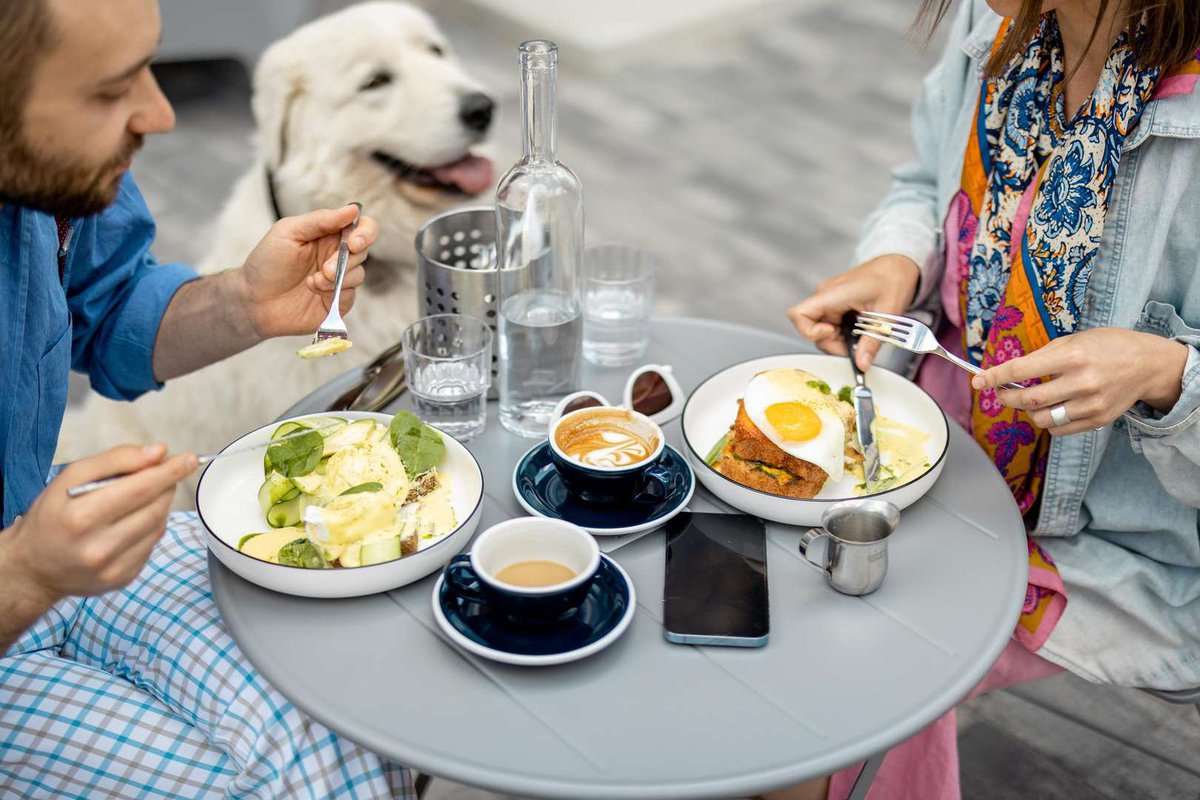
[[474, 576], [851, 545], [610, 480]]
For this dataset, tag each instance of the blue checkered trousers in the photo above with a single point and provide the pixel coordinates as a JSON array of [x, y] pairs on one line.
[[141, 693]]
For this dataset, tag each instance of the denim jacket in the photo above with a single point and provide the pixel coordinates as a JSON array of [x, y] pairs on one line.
[[1119, 506]]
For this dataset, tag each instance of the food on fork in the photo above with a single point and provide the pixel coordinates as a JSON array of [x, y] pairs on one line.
[[349, 494], [325, 347]]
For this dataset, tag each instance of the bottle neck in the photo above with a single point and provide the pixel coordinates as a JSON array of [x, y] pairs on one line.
[[540, 112]]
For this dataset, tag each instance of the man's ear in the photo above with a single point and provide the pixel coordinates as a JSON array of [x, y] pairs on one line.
[[279, 85]]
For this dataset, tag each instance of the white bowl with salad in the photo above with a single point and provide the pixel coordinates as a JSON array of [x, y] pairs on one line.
[[341, 506]]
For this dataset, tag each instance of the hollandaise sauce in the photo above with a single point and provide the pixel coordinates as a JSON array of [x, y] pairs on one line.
[[437, 514], [903, 455]]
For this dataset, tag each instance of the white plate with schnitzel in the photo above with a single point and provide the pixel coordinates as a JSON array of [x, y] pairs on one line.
[[772, 438]]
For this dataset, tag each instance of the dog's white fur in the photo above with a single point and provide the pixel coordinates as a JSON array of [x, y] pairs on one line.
[[316, 131]]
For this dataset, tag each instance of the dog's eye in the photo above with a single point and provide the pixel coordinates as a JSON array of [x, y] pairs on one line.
[[437, 50], [377, 81]]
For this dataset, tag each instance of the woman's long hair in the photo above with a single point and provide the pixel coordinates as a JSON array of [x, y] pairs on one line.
[[1172, 29]]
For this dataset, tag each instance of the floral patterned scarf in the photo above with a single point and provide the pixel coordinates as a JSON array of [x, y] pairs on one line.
[[1030, 215]]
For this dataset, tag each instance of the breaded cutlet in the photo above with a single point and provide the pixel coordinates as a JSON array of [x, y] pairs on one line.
[[769, 479]]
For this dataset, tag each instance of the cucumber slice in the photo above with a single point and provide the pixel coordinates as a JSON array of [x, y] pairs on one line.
[[358, 431], [267, 465], [302, 553], [309, 484], [377, 551], [285, 428], [276, 488], [285, 514], [326, 426]]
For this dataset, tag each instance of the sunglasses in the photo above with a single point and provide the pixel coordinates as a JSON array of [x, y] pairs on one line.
[[651, 390]]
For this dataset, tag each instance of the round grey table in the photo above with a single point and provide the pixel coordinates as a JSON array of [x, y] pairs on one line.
[[841, 680]]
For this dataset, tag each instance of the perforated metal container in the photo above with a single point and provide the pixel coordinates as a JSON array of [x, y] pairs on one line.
[[456, 268]]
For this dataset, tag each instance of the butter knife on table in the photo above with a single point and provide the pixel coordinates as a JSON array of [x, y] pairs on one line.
[[864, 405], [380, 382]]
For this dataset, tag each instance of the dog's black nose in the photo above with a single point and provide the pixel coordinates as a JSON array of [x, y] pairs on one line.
[[475, 111]]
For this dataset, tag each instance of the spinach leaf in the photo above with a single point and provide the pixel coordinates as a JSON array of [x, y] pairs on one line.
[[370, 486], [302, 553], [298, 455], [419, 446]]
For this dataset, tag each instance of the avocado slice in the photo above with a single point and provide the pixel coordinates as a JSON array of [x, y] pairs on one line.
[[265, 546]]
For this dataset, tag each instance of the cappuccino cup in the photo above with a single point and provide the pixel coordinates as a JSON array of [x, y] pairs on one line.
[[606, 454]]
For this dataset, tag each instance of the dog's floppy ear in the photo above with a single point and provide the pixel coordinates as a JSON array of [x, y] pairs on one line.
[[279, 84]]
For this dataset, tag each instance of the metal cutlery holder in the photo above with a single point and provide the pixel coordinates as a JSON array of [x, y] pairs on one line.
[[456, 269]]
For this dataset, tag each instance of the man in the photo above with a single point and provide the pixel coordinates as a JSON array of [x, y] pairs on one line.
[[116, 675]]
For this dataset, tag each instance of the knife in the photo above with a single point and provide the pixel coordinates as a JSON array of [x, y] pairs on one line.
[[381, 382], [864, 405]]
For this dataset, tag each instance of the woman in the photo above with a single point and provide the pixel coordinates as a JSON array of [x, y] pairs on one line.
[[1051, 219]]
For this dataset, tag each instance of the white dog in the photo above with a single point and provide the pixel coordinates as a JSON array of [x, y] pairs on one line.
[[367, 104]]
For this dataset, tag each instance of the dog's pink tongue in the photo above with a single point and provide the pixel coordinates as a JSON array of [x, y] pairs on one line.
[[472, 174]]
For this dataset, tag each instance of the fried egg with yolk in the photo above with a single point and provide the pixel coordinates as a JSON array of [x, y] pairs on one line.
[[799, 419]]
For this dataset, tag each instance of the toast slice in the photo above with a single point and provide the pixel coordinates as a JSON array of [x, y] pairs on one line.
[[772, 480]]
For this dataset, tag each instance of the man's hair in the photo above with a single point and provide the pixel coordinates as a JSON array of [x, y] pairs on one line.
[[25, 33]]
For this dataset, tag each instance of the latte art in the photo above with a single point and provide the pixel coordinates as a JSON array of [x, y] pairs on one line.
[[605, 446]]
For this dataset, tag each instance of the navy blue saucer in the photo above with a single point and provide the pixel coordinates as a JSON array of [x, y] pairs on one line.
[[600, 620], [541, 492]]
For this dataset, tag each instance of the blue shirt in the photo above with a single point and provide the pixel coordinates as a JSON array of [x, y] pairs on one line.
[[100, 319]]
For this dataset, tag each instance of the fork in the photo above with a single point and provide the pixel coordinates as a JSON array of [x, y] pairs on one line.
[[912, 335], [91, 486], [334, 327]]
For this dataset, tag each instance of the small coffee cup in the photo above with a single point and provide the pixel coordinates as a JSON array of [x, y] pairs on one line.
[[610, 474], [525, 543], [851, 545]]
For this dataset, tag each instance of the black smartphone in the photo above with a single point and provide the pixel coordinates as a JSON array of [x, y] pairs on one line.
[[716, 582]]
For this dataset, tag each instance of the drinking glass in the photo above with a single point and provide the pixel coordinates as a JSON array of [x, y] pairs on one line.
[[448, 358], [618, 296]]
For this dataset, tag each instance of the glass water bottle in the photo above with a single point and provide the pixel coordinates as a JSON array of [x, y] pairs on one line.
[[539, 239]]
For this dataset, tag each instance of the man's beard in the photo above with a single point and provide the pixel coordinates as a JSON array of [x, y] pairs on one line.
[[57, 184]]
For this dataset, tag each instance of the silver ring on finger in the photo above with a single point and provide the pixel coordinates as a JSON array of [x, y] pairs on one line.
[[1059, 415]]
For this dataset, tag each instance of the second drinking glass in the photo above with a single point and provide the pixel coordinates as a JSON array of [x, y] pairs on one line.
[[448, 358], [618, 296]]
